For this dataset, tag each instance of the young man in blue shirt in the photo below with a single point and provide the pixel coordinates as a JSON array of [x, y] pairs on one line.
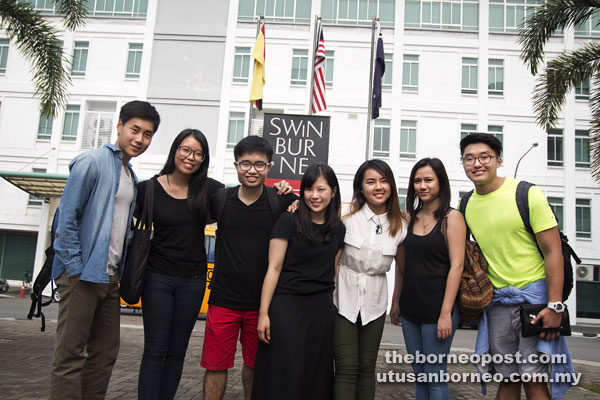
[[91, 239]]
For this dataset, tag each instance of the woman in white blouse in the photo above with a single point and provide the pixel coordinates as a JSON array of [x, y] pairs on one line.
[[375, 229]]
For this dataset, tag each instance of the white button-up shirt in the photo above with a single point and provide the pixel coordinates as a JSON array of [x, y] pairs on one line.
[[367, 256]]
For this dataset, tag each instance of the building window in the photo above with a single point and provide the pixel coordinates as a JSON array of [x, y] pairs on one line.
[[381, 138], [582, 89], [98, 8], [236, 129], [3, 55], [80, 55], [408, 139], [41, 6], [582, 148], [241, 64], [509, 15], [358, 12], [555, 147], [275, 10], [410, 73], [589, 27], [402, 198], [583, 218], [118, 8], [495, 77], [299, 67], [45, 127], [467, 129], [462, 15], [498, 131], [556, 203], [329, 59], [386, 81], [71, 123], [134, 61], [469, 75], [34, 200]]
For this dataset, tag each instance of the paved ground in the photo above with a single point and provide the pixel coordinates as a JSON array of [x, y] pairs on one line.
[[25, 357]]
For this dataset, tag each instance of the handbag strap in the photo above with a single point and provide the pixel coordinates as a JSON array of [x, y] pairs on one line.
[[145, 219]]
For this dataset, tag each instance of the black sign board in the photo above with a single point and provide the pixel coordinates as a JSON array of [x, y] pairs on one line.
[[298, 141]]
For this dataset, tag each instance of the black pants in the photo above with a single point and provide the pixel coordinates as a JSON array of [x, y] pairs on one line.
[[170, 307]]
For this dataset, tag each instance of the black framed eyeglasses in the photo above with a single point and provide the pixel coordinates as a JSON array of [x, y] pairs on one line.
[[483, 160], [185, 152], [259, 166]]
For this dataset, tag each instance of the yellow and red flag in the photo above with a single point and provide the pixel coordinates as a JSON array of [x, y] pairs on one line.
[[258, 80]]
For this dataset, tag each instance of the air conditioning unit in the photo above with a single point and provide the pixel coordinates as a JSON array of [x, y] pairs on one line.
[[584, 272]]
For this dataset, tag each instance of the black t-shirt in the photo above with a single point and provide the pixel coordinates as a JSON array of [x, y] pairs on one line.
[[178, 241], [308, 268], [242, 250]]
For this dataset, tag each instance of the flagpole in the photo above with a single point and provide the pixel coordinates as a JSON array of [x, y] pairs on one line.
[[312, 61], [370, 107], [260, 18]]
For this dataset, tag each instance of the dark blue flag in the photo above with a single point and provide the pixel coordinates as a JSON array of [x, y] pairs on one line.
[[379, 71]]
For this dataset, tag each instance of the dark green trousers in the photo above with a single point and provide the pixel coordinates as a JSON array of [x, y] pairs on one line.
[[355, 349]]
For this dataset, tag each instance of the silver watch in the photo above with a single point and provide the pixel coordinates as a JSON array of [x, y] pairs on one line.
[[557, 306]]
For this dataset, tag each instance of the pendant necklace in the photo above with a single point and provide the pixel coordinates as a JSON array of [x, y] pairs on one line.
[[378, 226]]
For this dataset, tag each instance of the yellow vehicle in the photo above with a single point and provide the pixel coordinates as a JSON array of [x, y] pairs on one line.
[[209, 244]]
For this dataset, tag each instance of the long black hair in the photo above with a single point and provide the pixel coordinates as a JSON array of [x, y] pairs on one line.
[[438, 168], [197, 199], [303, 215], [392, 205]]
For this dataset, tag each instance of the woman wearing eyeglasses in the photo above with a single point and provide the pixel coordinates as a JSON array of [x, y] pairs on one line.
[[176, 277]]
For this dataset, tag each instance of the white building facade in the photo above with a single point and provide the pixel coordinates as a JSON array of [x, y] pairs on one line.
[[452, 67]]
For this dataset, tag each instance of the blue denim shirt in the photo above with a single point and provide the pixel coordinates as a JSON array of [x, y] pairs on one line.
[[86, 213]]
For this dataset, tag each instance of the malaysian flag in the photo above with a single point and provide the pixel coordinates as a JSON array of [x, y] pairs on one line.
[[318, 96]]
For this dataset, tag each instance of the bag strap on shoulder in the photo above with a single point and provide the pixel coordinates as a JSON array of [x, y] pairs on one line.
[[274, 202], [222, 194], [148, 208], [522, 197], [462, 207]]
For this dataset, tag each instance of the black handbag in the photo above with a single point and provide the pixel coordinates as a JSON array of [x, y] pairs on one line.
[[134, 269], [529, 311]]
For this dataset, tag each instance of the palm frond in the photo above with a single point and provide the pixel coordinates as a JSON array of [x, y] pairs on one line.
[[558, 79], [38, 42], [595, 130], [74, 12], [556, 14]]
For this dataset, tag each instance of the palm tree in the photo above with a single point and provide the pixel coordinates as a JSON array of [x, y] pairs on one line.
[[568, 69], [37, 40]]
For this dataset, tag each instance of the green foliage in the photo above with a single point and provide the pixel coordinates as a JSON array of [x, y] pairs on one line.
[[566, 70], [37, 40]]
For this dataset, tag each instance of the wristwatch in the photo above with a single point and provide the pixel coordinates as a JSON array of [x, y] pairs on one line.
[[557, 306]]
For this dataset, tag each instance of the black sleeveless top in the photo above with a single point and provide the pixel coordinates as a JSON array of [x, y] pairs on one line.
[[425, 274]]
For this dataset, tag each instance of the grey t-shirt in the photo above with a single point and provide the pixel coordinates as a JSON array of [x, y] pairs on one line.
[[123, 201]]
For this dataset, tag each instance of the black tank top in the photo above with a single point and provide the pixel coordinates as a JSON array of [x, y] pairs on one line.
[[425, 274]]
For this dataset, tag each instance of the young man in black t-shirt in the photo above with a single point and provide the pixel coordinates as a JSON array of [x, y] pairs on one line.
[[244, 224]]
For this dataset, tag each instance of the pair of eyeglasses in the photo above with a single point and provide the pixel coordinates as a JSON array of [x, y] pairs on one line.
[[185, 152], [259, 166], [483, 160]]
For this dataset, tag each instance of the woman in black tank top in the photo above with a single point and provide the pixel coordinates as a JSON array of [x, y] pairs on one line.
[[426, 288]]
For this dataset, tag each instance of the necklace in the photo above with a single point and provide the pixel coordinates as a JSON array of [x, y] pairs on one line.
[[378, 226], [425, 225]]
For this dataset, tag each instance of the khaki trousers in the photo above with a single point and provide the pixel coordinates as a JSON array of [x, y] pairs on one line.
[[87, 339]]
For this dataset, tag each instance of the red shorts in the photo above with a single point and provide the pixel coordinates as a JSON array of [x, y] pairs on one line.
[[223, 325]]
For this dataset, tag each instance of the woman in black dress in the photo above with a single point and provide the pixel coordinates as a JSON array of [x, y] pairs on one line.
[[295, 325], [176, 277]]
